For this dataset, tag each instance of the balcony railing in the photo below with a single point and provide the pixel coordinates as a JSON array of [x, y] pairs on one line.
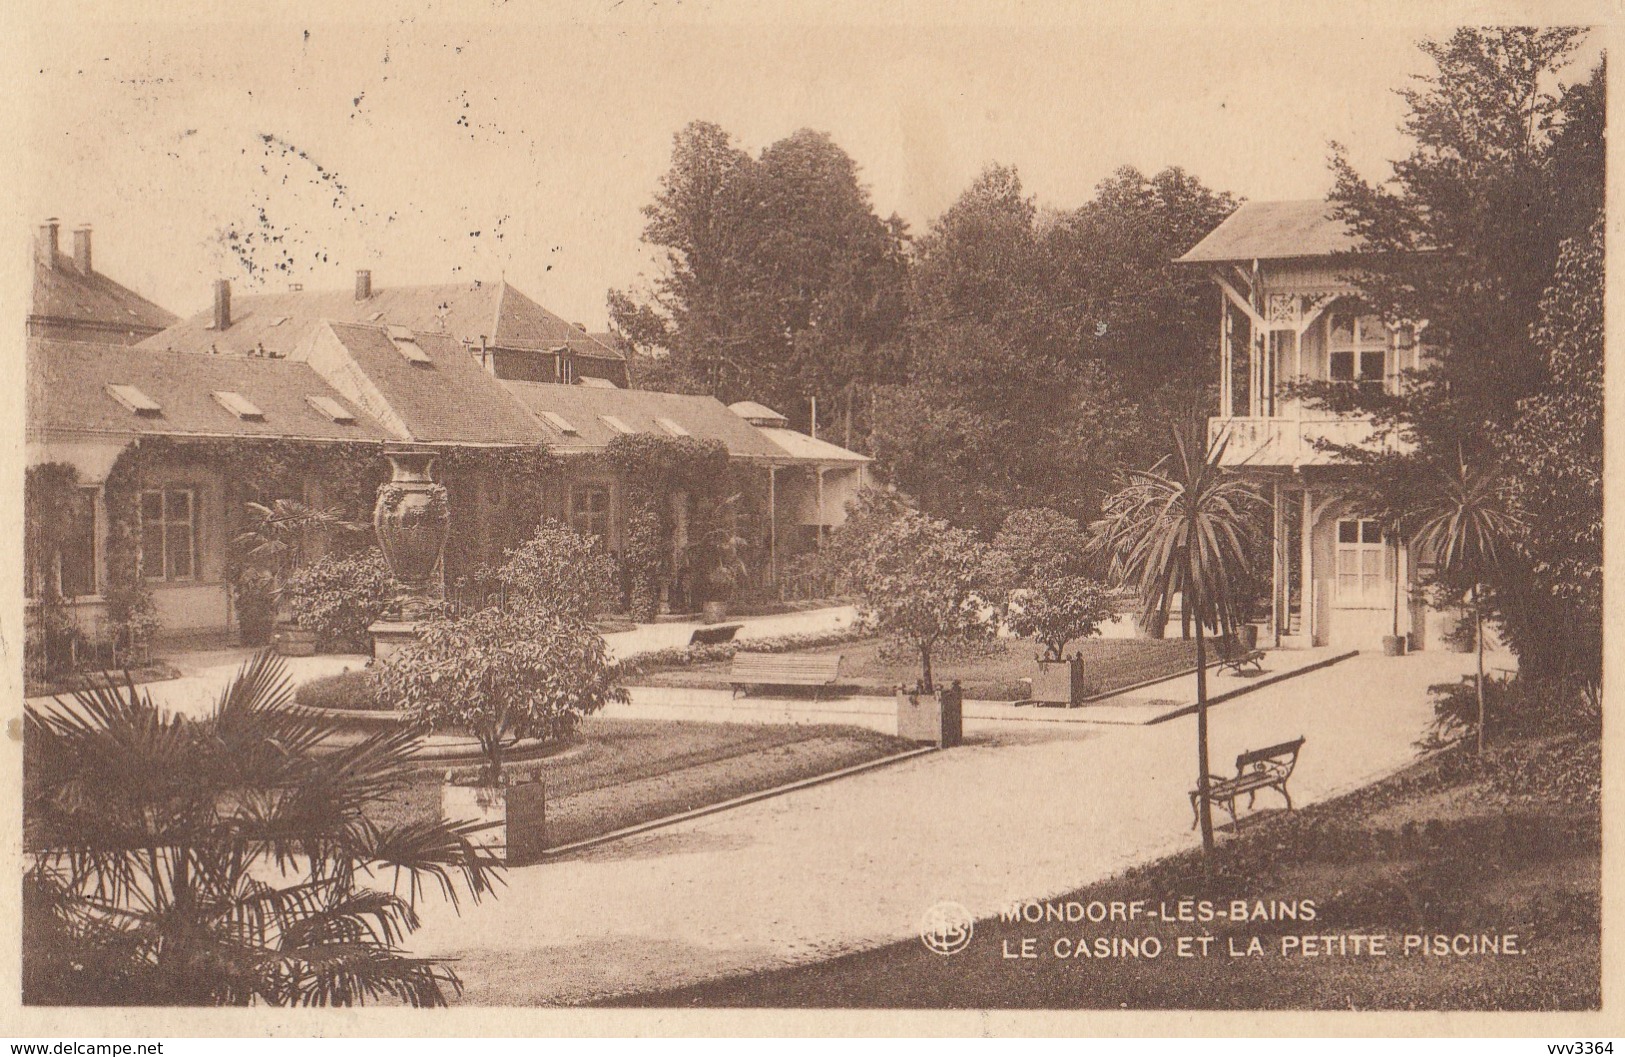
[[1291, 441]]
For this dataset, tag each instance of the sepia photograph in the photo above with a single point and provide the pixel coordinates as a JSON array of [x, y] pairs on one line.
[[633, 508]]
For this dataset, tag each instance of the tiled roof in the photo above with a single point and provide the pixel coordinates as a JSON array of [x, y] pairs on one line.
[[450, 399], [68, 391], [464, 311], [581, 406], [1273, 230], [67, 294]]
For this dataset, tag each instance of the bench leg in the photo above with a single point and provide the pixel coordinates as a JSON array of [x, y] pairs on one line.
[[1287, 796], [1196, 812]]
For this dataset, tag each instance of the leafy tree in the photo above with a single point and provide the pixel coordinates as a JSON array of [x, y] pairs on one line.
[[502, 675], [559, 570], [1463, 521], [1181, 529], [1058, 609], [779, 282], [219, 861], [1507, 163], [1554, 468], [921, 581], [1041, 544]]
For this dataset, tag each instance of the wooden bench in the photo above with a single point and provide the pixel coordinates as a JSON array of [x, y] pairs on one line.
[[714, 634], [783, 669], [1235, 656], [1259, 769]]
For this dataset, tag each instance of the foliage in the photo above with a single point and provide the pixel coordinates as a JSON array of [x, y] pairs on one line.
[[151, 835], [1463, 522], [644, 558], [502, 675], [339, 597], [924, 582], [1041, 543], [779, 281], [1058, 609], [560, 570], [1554, 469], [355, 690], [1182, 528], [670, 657], [278, 537]]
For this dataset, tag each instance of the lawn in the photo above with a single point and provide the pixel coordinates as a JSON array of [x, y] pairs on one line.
[[1451, 847], [622, 772], [989, 671]]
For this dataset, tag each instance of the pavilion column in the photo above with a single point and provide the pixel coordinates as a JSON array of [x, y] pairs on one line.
[[772, 526], [1306, 569], [1277, 564]]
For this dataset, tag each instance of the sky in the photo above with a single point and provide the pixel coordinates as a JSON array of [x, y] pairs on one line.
[[430, 148]]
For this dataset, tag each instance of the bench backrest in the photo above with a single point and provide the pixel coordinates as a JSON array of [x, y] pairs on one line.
[[1285, 753], [825, 665]]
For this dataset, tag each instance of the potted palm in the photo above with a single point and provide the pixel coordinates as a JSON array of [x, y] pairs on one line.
[[278, 538]]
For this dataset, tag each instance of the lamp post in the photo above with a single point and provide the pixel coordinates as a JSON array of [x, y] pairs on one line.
[[410, 520]]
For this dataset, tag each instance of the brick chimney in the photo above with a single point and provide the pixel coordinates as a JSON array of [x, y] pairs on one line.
[[81, 248], [363, 284], [47, 241], [222, 304]]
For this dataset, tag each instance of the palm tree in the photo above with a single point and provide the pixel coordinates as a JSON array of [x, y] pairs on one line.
[[1181, 528], [1464, 521], [218, 861]]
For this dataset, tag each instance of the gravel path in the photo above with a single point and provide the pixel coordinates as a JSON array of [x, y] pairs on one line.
[[1024, 810]]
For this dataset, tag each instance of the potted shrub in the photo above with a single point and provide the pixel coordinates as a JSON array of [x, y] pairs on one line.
[[723, 568], [270, 550], [1054, 612]]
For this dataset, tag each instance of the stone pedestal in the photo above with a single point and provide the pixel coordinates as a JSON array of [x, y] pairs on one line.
[[389, 637]]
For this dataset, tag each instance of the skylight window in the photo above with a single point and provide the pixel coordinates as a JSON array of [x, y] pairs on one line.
[[616, 424], [560, 423], [239, 405], [406, 343], [672, 428], [135, 400], [330, 409]]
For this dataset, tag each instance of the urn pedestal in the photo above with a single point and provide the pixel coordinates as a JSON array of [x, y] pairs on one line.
[[410, 520]]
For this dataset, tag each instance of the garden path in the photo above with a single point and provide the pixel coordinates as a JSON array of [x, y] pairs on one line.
[[1023, 810]]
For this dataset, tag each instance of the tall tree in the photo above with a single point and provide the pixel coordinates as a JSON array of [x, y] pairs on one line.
[[1507, 162], [780, 283]]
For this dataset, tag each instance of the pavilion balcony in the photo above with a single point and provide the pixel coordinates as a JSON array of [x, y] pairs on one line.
[[1292, 442]]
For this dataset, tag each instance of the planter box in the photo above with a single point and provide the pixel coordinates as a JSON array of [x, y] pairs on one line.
[[1393, 645], [294, 642], [936, 718], [514, 818], [1060, 683]]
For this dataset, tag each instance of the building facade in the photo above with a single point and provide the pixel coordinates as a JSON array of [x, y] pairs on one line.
[[1290, 313]]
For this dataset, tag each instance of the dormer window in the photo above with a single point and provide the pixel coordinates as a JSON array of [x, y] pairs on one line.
[[238, 405], [616, 424], [331, 409], [560, 423], [672, 428], [566, 365], [135, 400]]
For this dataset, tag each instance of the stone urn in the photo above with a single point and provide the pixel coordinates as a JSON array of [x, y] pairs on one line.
[[410, 519]]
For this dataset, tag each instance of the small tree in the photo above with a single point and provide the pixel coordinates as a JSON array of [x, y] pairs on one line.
[[921, 581], [1182, 528], [560, 570], [502, 675], [1465, 523], [1057, 610], [339, 598]]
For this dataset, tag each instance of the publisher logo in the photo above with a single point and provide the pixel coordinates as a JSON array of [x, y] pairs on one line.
[[946, 928]]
